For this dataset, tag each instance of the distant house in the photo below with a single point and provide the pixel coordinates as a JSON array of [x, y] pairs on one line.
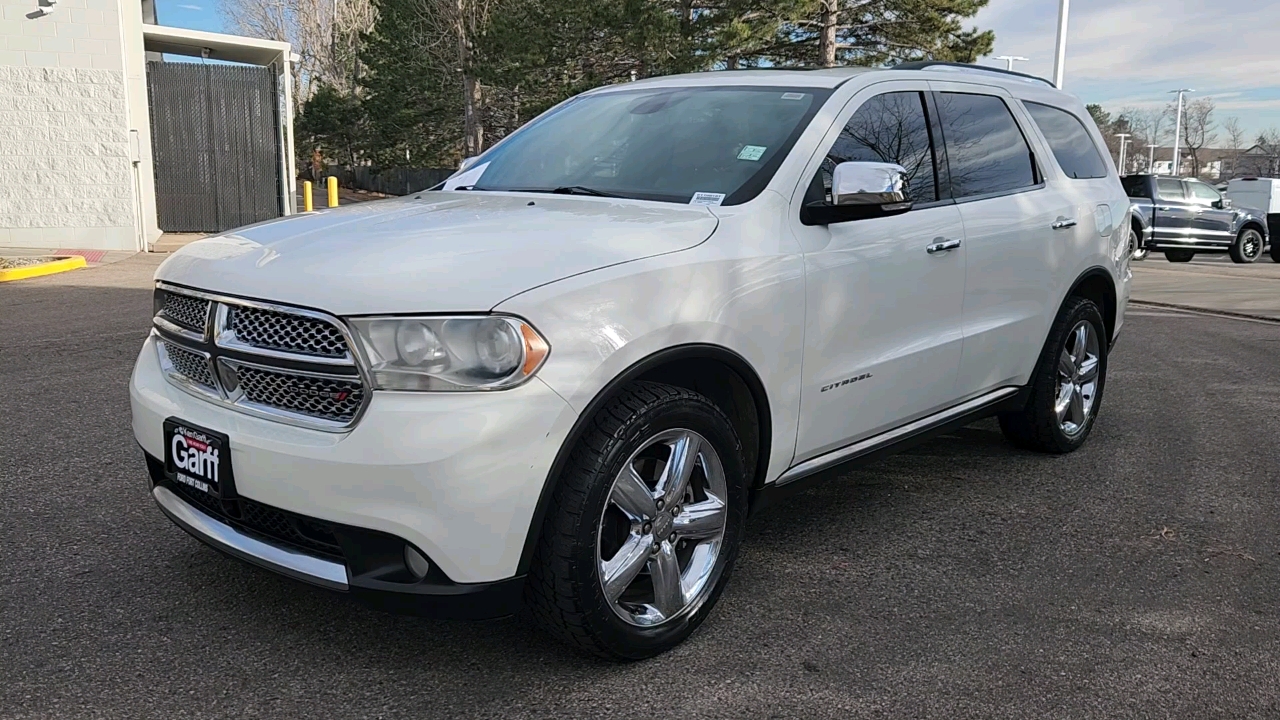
[[1215, 163]]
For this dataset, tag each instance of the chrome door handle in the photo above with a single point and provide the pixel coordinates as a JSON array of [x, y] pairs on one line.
[[1064, 223], [941, 245]]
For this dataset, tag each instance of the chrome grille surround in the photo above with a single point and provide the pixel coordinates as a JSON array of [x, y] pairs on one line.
[[270, 370]]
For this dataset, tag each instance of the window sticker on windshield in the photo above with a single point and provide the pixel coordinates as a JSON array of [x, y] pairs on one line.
[[751, 152], [707, 198], [465, 178], [792, 96]]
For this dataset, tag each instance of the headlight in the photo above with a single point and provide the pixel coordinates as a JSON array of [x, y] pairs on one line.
[[449, 353]]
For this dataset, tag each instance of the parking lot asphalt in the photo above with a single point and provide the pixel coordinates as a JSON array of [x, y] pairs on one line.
[[1211, 282], [1138, 577]]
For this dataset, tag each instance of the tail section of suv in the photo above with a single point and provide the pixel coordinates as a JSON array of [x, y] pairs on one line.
[[565, 380]]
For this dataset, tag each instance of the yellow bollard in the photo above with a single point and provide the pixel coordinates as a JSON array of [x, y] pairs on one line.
[[333, 191], [307, 203]]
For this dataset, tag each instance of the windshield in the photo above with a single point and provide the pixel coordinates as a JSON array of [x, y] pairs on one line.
[[715, 146]]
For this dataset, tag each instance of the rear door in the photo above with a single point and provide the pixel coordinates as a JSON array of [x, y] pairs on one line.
[[1174, 214], [1009, 213], [1211, 221]]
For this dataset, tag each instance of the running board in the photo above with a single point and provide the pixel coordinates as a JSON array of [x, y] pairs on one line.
[[1001, 400]]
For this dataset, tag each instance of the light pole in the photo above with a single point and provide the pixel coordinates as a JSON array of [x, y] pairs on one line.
[[1060, 55], [1124, 140], [1009, 60], [1177, 128], [1151, 159]]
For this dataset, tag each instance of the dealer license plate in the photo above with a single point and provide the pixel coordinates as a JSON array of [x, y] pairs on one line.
[[197, 458]]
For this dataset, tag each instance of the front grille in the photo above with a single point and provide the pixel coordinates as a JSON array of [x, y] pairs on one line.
[[309, 535], [327, 398], [285, 332], [190, 365], [183, 310]]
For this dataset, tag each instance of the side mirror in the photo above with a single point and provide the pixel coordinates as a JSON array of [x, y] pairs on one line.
[[1223, 204], [861, 190]]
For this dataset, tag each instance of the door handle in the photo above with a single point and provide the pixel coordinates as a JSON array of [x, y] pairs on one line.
[[1063, 223], [942, 245]]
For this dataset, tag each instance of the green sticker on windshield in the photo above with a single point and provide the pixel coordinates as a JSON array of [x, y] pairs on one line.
[[751, 152]]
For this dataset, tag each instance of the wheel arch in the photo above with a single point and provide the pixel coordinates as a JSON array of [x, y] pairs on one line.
[[1256, 225], [1097, 285], [698, 367]]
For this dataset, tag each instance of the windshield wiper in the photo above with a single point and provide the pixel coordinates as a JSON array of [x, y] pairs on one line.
[[568, 190], [581, 190]]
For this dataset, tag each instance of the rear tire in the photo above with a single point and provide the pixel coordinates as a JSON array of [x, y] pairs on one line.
[[1135, 237], [1247, 247], [1179, 255], [605, 529], [1066, 386]]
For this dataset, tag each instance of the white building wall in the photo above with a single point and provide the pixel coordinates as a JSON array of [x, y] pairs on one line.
[[67, 173]]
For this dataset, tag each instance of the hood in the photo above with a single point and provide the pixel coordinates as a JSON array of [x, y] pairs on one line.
[[445, 252]]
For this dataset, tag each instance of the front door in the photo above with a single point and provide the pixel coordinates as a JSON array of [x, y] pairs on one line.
[[1211, 221], [883, 325]]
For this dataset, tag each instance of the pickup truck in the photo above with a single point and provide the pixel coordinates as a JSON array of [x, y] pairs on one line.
[[1184, 216]]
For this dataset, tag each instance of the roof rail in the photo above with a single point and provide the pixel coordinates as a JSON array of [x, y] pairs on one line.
[[925, 64]]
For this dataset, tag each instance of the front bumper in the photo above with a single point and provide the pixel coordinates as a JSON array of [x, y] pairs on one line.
[[456, 476]]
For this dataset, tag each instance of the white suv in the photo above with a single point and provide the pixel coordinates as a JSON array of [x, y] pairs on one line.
[[564, 379]]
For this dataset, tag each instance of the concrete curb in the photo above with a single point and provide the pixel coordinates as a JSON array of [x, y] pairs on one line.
[[49, 268], [1203, 311]]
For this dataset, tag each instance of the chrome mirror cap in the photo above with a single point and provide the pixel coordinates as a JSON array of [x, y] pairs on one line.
[[869, 183]]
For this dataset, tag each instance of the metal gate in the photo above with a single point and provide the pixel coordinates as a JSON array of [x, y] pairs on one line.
[[215, 143]]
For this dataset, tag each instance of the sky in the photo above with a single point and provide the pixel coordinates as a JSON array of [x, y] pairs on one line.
[[1130, 53], [1120, 53]]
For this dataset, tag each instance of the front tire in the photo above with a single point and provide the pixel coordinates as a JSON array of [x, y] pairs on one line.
[[1179, 256], [1247, 247], [1066, 386], [646, 521]]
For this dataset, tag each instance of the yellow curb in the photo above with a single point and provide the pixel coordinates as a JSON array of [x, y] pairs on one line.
[[49, 268]]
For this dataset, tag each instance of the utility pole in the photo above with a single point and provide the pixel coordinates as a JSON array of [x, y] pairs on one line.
[[1060, 55], [1151, 159], [1177, 129], [1124, 140], [1009, 59]]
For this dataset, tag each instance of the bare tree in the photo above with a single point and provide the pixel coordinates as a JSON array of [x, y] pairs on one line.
[[1235, 133], [1199, 126], [1149, 127], [827, 40], [324, 33]]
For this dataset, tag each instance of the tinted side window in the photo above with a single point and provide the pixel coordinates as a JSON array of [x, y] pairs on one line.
[[1069, 141], [1170, 189], [1202, 192], [986, 151], [1136, 187], [890, 128]]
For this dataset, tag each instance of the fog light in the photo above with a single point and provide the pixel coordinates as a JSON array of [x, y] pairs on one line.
[[418, 565]]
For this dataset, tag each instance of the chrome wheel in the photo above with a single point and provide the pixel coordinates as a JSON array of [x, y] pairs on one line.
[[1251, 244], [662, 529], [1136, 252], [1078, 364]]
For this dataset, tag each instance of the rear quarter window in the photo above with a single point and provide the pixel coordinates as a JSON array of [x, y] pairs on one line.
[[1136, 187], [1074, 149]]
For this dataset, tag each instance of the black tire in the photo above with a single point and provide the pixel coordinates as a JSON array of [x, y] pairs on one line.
[[564, 590], [1036, 426], [1247, 247], [1179, 255]]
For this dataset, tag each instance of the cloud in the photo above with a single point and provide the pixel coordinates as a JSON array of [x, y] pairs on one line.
[[196, 8], [1132, 53]]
